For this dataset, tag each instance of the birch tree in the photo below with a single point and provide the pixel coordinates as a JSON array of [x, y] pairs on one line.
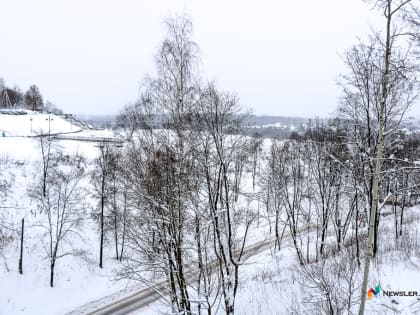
[[393, 97], [164, 160]]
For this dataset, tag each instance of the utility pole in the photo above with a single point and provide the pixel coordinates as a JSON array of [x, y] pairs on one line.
[[49, 125]]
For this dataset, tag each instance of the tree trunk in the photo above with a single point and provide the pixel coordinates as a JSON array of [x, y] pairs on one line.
[[116, 235], [52, 266], [44, 184], [200, 261], [401, 217], [323, 231], [21, 248], [277, 244], [298, 251], [124, 226], [375, 186], [375, 235], [394, 207], [115, 219], [101, 248], [357, 228]]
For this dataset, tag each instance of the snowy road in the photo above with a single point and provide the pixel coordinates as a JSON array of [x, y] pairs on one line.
[[146, 296]]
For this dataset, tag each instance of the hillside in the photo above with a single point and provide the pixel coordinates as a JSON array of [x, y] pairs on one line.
[[272, 282], [20, 167]]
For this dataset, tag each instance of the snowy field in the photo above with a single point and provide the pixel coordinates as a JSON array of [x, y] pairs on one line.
[[33, 124]]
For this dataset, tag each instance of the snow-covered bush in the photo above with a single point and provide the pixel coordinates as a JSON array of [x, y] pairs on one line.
[[332, 284]]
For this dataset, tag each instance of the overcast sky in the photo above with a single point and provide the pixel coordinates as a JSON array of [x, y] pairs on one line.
[[89, 56]]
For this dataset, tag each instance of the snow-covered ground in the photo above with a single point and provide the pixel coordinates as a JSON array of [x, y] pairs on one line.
[[78, 279], [271, 282], [34, 124]]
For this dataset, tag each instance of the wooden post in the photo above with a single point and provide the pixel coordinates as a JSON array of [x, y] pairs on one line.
[[21, 248]]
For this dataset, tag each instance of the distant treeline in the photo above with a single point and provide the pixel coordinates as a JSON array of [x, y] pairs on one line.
[[15, 98]]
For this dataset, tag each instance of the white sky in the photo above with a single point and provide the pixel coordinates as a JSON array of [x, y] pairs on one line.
[[89, 56]]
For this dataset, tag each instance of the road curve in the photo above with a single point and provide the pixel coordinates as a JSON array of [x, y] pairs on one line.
[[146, 296]]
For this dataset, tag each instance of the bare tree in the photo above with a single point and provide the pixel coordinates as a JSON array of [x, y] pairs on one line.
[[52, 108], [108, 183], [46, 146], [256, 152], [62, 207], [328, 153], [163, 159], [289, 173], [218, 120], [100, 178], [379, 89], [7, 232], [125, 213], [399, 182], [333, 284], [115, 172], [273, 186], [387, 75], [33, 99]]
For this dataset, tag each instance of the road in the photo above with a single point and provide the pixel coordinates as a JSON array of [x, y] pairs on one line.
[[145, 296]]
